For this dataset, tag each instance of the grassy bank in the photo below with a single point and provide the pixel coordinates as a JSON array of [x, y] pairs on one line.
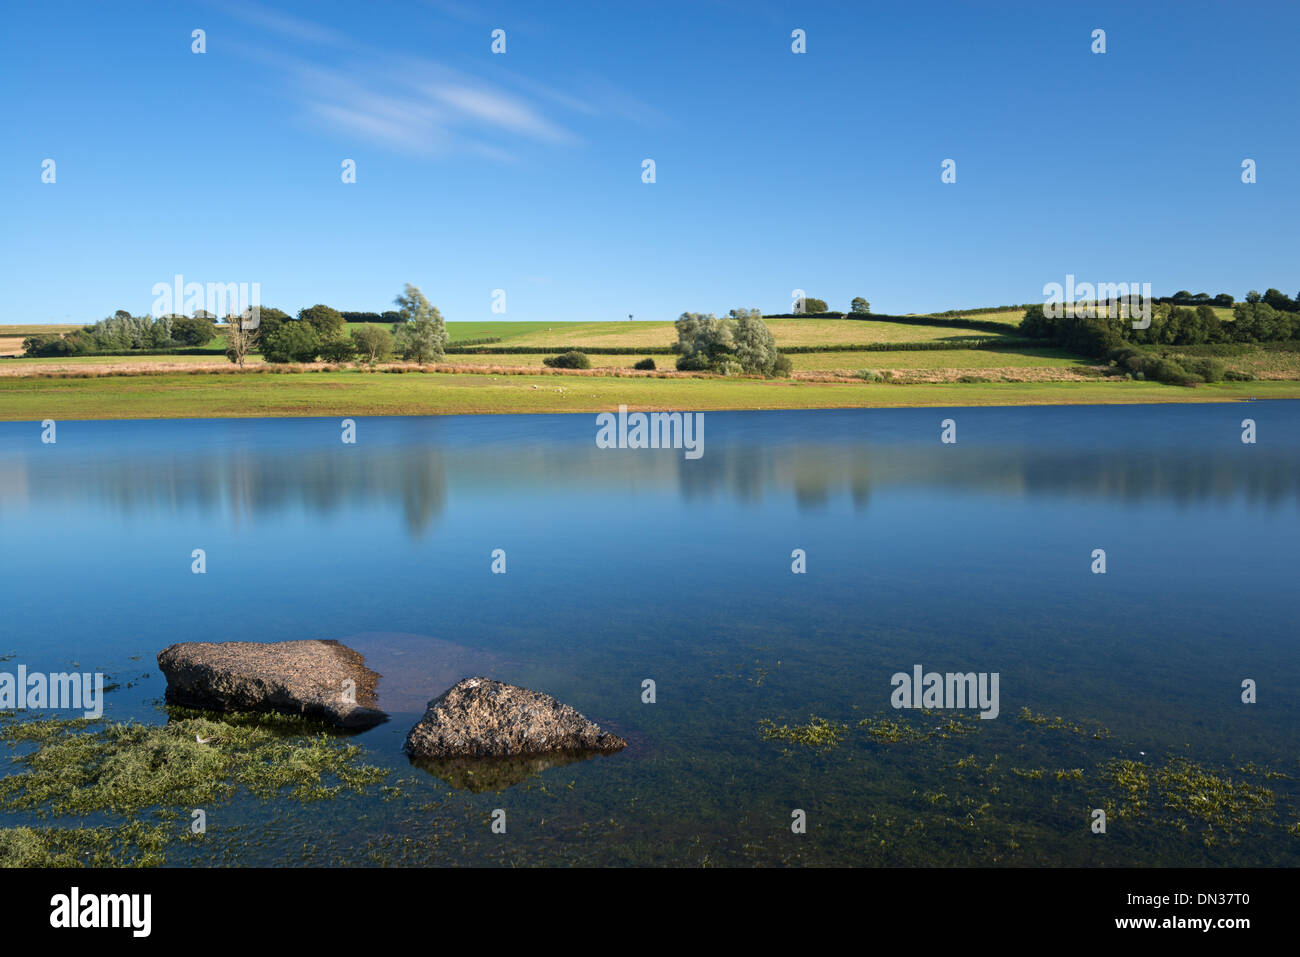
[[345, 393]]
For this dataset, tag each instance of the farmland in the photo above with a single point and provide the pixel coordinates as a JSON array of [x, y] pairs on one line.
[[497, 367]]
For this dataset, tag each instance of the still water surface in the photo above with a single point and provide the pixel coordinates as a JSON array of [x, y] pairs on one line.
[[624, 565]]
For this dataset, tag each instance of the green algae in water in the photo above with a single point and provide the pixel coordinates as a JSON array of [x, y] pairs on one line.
[[819, 733], [154, 775], [891, 731], [1060, 724], [1183, 794], [134, 844]]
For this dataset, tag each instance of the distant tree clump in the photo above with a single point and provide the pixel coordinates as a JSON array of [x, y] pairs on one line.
[[120, 332], [859, 305], [815, 305], [1089, 335], [328, 323], [645, 364], [338, 349], [1279, 300], [196, 330], [51, 345], [1254, 321], [738, 342], [420, 332], [568, 360], [294, 341], [374, 343], [1259, 322], [269, 320]]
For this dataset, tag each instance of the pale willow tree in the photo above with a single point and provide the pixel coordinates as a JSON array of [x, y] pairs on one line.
[[755, 348], [421, 334], [739, 342]]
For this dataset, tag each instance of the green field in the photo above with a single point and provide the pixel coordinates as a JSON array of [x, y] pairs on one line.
[[206, 385], [350, 393], [787, 332], [939, 359], [817, 361]]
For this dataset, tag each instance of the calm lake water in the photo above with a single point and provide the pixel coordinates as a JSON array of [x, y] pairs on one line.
[[626, 565]]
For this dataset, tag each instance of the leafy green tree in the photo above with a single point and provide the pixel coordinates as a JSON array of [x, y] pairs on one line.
[[196, 330], [568, 360], [328, 323], [119, 333], [1259, 322], [53, 345], [374, 343], [160, 333], [421, 334], [1253, 296], [269, 320], [859, 305], [1088, 335], [339, 349], [1279, 300], [293, 341], [815, 305], [1035, 324]]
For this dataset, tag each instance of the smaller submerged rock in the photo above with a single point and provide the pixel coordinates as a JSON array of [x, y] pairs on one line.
[[483, 774], [481, 717], [317, 678]]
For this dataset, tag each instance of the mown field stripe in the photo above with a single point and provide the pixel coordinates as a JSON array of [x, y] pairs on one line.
[[356, 393]]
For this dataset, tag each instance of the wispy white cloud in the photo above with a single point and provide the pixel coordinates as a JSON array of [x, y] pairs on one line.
[[295, 28], [408, 103], [495, 109]]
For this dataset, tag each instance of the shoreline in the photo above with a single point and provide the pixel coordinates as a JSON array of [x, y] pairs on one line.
[[356, 393]]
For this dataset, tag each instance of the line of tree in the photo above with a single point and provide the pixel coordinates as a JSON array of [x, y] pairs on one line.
[[1254, 321], [418, 332], [390, 317], [1185, 298], [123, 332], [814, 308]]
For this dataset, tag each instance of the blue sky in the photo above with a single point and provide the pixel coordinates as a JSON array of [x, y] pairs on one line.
[[522, 171]]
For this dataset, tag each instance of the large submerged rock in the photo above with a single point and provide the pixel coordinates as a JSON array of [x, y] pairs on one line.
[[480, 717], [318, 679]]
